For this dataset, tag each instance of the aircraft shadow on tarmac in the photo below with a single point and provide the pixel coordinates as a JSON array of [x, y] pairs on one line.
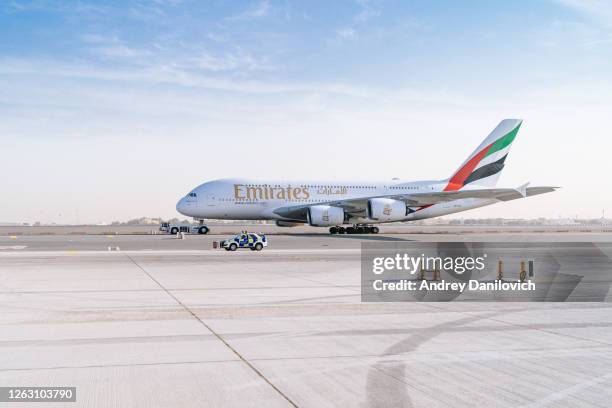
[[372, 237], [349, 236]]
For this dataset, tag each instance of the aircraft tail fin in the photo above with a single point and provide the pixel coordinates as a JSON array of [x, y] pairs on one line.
[[483, 167]]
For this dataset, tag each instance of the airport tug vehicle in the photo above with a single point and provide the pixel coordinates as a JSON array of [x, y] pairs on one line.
[[254, 242], [186, 228]]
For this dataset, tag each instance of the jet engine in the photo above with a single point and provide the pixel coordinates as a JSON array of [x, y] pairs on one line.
[[386, 209], [325, 215]]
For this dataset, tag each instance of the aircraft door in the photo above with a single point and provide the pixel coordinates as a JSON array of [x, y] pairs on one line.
[[211, 199]]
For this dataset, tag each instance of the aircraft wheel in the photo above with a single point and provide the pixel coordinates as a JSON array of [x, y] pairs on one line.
[[360, 230], [350, 230], [375, 230], [233, 247], [333, 230], [341, 230], [258, 246], [203, 230]]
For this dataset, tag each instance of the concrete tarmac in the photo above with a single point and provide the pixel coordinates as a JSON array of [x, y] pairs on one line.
[[277, 241], [166, 322]]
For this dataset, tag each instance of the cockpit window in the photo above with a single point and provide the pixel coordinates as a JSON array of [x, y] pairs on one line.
[[192, 195]]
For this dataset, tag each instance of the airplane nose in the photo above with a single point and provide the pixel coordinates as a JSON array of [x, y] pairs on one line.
[[180, 206]]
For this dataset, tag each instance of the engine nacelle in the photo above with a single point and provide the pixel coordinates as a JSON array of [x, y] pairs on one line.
[[280, 223], [325, 216], [386, 209]]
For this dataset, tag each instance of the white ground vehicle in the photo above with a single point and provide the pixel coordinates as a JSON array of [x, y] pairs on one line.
[[186, 228], [255, 242]]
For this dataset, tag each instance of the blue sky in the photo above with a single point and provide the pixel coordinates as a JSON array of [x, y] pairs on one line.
[[141, 100]]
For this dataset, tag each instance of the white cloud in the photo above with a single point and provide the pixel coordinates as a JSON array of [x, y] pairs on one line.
[[346, 33], [111, 47], [78, 7], [99, 39], [599, 10], [121, 51], [170, 74], [368, 11], [168, 2], [231, 62], [577, 35], [261, 9]]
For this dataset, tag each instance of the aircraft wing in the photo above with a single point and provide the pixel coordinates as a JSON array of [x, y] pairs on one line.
[[502, 194], [357, 206]]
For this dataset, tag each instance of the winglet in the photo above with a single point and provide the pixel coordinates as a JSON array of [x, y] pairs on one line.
[[523, 189]]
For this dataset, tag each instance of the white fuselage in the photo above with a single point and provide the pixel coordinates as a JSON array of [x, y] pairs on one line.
[[244, 199]]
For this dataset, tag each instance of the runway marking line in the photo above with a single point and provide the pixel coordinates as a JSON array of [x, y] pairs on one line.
[[217, 335]]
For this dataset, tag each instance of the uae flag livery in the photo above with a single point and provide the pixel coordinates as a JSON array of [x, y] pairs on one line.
[[485, 164]]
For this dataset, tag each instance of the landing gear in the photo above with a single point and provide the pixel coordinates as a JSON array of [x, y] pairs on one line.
[[202, 229], [355, 229]]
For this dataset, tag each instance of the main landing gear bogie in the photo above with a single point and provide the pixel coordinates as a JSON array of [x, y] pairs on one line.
[[355, 229]]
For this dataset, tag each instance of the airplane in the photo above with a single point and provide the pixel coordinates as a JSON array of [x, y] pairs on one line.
[[357, 206]]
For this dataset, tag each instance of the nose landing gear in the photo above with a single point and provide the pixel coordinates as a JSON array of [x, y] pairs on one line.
[[355, 229], [202, 229]]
